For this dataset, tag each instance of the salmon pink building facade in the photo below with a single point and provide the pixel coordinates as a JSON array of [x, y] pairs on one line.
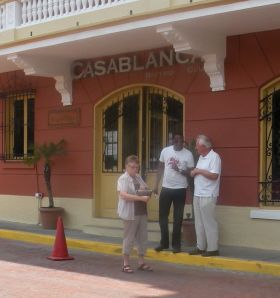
[[118, 78]]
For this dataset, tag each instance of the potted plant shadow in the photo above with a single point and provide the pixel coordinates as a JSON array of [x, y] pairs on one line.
[[45, 153]]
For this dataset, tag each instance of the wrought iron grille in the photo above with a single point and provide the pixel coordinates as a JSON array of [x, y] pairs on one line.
[[17, 125], [159, 117], [125, 107], [270, 138], [163, 107]]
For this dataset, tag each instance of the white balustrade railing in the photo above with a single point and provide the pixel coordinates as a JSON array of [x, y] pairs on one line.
[[10, 15], [2, 16], [26, 12], [40, 10]]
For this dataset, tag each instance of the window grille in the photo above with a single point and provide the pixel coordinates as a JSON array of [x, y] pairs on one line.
[[270, 149], [18, 125], [121, 115], [155, 112]]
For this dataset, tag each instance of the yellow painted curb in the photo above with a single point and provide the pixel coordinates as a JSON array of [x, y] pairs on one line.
[[181, 258]]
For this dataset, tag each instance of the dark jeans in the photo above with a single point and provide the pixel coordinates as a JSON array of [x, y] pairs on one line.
[[166, 198]]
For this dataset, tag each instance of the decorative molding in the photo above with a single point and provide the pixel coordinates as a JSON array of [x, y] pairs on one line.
[[22, 64], [64, 86], [210, 47], [174, 37], [214, 67], [48, 67]]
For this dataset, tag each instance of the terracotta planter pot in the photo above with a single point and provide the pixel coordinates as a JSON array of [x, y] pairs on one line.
[[188, 232], [49, 216]]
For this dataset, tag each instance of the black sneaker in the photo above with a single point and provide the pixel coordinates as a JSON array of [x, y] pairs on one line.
[[160, 248], [196, 252], [213, 253]]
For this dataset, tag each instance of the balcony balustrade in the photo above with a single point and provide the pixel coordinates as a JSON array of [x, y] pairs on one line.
[[29, 12], [40, 10], [20, 13], [2, 16]]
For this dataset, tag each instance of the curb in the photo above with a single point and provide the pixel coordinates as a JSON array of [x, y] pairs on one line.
[[181, 258]]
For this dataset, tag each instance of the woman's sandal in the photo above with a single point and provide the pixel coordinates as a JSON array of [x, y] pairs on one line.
[[127, 269], [145, 267]]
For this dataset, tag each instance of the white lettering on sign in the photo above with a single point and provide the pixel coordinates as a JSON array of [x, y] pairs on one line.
[[154, 75], [135, 66], [164, 58], [91, 68], [152, 61], [100, 68], [125, 65]]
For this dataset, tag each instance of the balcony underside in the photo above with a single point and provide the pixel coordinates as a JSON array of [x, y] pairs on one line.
[[201, 32]]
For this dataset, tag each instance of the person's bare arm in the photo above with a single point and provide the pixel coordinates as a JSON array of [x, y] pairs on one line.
[[205, 173], [129, 197]]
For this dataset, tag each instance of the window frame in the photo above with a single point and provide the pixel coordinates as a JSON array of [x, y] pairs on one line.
[[265, 196], [8, 124]]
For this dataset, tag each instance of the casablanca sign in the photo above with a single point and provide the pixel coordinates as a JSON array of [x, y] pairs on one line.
[[92, 68]]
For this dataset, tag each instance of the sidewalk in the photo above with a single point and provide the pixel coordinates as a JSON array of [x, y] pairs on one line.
[[232, 258]]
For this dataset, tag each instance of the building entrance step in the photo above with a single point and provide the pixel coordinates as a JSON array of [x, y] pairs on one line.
[[109, 227]]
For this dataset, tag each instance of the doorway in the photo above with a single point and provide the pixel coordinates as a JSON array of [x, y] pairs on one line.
[[139, 121]]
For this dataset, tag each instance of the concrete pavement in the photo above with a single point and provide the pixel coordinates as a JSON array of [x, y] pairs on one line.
[[26, 273], [233, 258]]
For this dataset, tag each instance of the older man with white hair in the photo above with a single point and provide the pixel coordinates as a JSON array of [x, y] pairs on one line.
[[206, 190]]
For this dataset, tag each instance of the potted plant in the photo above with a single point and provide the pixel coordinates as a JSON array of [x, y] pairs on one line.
[[45, 153], [189, 235]]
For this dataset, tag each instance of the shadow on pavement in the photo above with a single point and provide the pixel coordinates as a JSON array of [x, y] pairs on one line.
[[98, 272]]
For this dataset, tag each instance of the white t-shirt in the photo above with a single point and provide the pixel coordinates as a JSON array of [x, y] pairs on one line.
[[183, 159], [204, 187]]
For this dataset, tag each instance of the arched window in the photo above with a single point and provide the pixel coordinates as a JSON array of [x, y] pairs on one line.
[[139, 122]]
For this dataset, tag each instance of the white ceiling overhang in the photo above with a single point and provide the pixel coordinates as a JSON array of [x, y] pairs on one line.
[[201, 32]]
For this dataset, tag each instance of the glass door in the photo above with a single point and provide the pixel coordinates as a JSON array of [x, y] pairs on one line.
[[164, 117], [138, 121]]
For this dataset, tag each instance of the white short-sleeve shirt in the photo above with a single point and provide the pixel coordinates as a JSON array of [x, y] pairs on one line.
[[204, 187], [183, 159]]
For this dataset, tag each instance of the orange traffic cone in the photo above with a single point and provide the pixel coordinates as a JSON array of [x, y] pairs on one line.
[[60, 252]]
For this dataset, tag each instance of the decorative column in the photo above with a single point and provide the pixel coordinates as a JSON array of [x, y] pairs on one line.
[[13, 14]]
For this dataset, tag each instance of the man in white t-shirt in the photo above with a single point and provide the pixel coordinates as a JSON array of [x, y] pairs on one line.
[[175, 163], [206, 190]]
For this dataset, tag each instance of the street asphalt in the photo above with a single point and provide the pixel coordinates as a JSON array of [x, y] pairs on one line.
[[27, 273], [231, 258]]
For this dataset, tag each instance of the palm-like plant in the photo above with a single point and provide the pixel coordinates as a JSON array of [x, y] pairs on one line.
[[46, 152]]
